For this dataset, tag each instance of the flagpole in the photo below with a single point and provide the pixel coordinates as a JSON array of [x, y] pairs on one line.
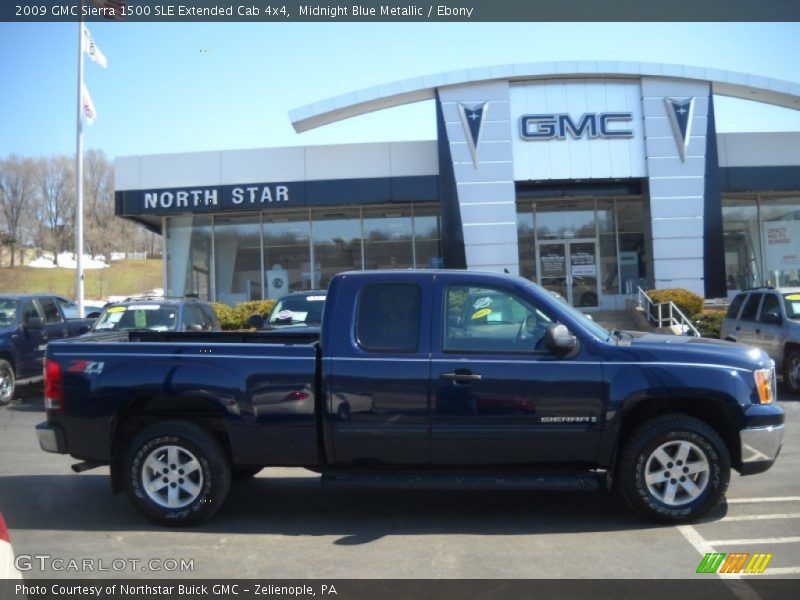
[[79, 175]]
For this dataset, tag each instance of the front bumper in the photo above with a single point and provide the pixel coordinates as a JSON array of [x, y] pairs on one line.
[[51, 438], [760, 447]]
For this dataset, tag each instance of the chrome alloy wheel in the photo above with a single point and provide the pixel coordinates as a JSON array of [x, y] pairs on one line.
[[172, 477], [6, 384], [676, 473]]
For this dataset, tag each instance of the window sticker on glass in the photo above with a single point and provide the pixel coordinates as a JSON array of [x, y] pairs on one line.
[[147, 307], [793, 297], [481, 313], [116, 309], [139, 318], [114, 317], [495, 317], [795, 308], [316, 298], [481, 303]]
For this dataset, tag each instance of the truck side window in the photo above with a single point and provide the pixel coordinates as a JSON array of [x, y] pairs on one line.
[[751, 307], [51, 314], [387, 317], [29, 311], [491, 320], [770, 306], [733, 309]]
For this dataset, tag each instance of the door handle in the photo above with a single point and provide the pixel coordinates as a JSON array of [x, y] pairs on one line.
[[758, 331], [461, 375]]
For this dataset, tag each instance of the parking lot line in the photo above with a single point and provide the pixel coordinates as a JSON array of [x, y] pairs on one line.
[[753, 541], [762, 517], [760, 500]]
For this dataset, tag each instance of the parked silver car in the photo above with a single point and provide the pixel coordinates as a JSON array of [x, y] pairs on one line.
[[768, 319]]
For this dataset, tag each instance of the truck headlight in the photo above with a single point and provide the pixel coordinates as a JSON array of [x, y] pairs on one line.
[[765, 384]]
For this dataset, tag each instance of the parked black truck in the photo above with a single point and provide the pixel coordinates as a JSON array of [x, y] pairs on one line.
[[419, 378], [27, 323]]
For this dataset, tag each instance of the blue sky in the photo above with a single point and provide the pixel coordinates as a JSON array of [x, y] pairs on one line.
[[213, 86]]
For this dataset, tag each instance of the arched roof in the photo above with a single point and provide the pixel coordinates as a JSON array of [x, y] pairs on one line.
[[406, 91]]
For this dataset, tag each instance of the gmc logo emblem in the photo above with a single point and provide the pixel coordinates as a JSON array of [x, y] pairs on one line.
[[591, 125]]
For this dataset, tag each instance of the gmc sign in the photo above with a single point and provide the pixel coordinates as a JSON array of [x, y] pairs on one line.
[[591, 125]]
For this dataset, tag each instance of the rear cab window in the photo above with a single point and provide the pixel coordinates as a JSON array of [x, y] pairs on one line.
[[750, 309], [388, 317], [770, 306]]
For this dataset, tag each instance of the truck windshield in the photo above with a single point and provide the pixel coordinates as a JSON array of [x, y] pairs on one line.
[[297, 310], [8, 311], [155, 317], [792, 303]]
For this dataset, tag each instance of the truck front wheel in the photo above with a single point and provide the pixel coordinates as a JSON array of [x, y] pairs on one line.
[[674, 469], [176, 474], [6, 382]]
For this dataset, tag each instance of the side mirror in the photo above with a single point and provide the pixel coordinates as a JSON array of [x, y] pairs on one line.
[[195, 327], [34, 323], [256, 321], [558, 339], [771, 318]]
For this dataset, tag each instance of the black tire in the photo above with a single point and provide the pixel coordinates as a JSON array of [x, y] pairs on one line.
[[210, 477], [791, 371], [245, 473], [663, 434], [7, 382]]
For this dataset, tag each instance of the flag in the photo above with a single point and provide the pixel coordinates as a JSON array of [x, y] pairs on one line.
[[87, 105], [90, 47]]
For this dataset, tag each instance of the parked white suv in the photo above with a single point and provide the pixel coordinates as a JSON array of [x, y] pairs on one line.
[[768, 319]]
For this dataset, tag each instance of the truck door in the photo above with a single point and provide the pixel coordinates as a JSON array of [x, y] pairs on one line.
[[378, 378], [769, 328], [54, 324], [745, 328], [32, 341], [498, 396]]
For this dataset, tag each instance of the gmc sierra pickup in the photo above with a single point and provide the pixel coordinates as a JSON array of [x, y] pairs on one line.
[[27, 323], [418, 378]]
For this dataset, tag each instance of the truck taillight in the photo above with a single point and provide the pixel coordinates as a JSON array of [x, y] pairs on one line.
[[53, 386]]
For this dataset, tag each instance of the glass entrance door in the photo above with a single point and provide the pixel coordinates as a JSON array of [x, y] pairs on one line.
[[569, 268]]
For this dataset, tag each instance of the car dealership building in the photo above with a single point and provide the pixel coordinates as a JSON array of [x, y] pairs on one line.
[[591, 178]]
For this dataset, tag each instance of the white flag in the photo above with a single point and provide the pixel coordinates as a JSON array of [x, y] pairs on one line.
[[87, 105], [90, 47]]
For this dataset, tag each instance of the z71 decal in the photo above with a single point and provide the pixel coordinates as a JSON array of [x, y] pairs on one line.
[[86, 366]]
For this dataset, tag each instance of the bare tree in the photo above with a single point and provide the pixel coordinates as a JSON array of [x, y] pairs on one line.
[[16, 193], [104, 231], [55, 178]]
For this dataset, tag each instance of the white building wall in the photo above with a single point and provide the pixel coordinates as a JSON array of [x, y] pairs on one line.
[[583, 158], [677, 187], [486, 192]]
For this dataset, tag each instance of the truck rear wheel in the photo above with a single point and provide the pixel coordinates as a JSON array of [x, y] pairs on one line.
[[674, 469], [176, 474], [7, 382]]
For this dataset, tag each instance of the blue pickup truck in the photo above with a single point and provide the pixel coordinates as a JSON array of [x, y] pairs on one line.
[[27, 323], [448, 378]]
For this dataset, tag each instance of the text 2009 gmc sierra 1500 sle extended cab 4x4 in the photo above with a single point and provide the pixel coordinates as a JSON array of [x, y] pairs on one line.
[[418, 378]]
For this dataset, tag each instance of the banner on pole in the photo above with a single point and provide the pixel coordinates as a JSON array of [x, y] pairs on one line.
[[91, 48], [87, 104]]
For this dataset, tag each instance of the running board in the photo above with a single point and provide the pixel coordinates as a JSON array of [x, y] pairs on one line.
[[583, 481]]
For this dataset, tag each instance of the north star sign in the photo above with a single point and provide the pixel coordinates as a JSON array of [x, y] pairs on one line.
[[211, 197], [606, 125]]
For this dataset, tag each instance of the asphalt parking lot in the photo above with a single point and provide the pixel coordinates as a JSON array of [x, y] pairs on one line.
[[283, 524]]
